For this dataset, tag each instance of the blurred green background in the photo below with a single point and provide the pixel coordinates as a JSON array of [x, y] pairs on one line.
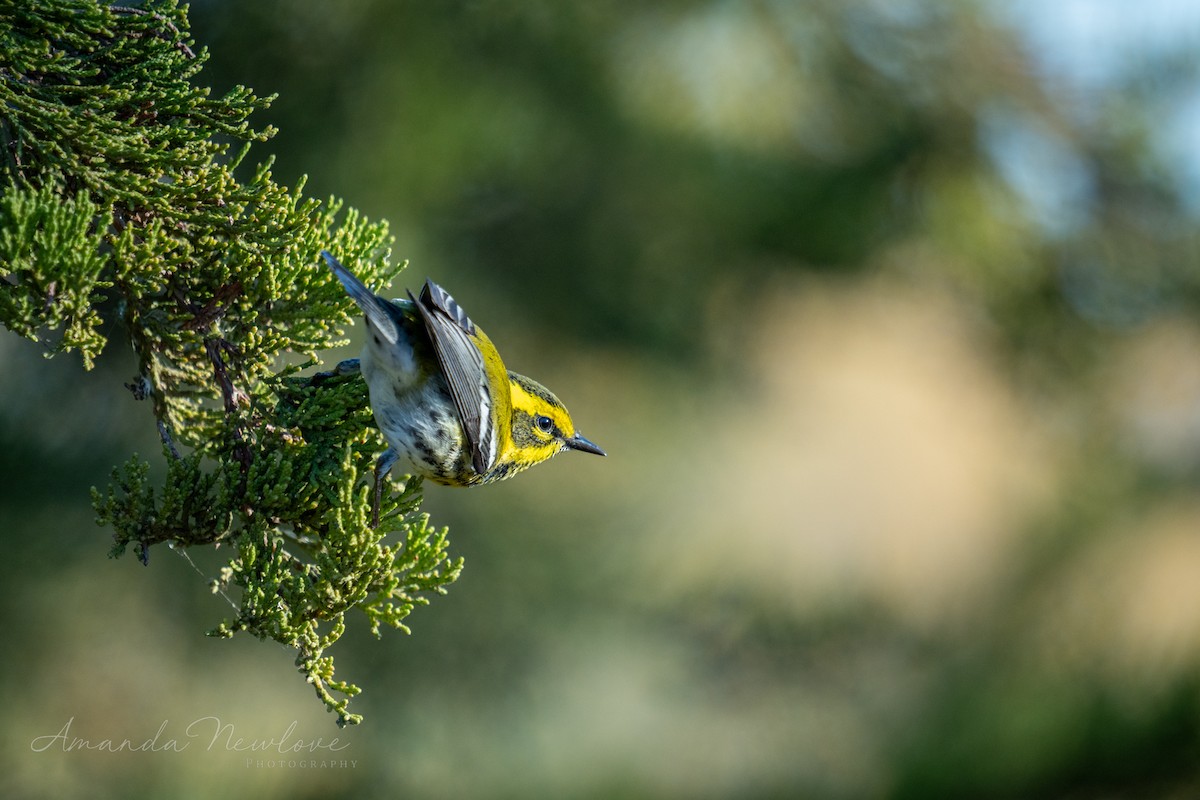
[[886, 314]]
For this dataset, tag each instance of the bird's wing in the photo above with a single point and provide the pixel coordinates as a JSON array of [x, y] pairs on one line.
[[450, 330]]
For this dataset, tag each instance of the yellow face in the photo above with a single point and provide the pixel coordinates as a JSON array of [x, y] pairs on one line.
[[541, 426], [540, 423]]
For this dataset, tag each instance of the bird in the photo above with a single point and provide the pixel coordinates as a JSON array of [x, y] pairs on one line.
[[442, 397]]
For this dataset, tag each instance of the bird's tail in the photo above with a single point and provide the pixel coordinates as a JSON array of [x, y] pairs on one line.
[[380, 313]]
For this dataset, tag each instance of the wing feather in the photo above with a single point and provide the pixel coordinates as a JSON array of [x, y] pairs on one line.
[[461, 362]]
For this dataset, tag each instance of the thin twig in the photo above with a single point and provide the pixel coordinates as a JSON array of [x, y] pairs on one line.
[[164, 433]]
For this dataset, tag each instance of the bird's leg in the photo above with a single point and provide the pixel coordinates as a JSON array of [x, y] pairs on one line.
[[382, 467], [348, 367]]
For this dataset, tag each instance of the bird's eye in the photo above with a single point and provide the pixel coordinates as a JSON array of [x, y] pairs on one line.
[[545, 424]]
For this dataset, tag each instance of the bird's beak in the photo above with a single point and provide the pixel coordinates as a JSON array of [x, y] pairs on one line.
[[577, 442]]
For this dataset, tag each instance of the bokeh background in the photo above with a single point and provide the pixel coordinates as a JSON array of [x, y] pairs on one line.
[[886, 313]]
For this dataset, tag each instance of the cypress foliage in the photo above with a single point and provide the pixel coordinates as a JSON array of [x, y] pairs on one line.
[[120, 197]]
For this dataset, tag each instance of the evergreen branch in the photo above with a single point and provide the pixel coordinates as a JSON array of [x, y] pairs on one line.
[[119, 200]]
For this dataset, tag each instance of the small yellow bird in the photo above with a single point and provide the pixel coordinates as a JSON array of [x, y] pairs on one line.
[[442, 397]]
